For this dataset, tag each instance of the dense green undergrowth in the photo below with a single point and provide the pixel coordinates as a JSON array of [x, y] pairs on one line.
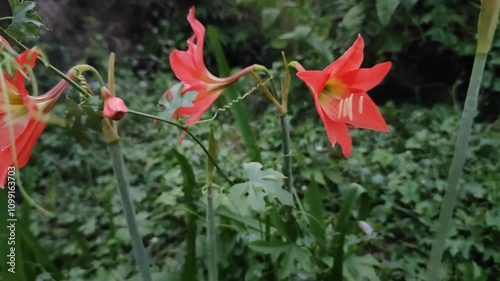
[[403, 173]]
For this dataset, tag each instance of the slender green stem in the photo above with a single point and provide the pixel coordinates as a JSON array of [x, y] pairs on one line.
[[138, 249], [6, 18], [456, 168], [142, 114], [287, 157], [211, 236], [46, 63]]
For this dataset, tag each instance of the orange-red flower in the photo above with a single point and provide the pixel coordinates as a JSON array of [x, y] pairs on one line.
[[189, 67], [27, 118], [340, 96]]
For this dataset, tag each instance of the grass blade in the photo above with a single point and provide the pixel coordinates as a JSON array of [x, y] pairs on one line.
[[189, 268], [238, 109], [342, 226]]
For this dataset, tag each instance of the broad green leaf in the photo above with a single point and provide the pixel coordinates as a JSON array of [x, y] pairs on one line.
[[361, 268], [176, 101], [385, 10], [292, 260], [166, 198], [25, 20], [314, 205], [261, 183]]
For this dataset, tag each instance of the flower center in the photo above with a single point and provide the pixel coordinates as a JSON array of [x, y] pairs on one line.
[[333, 90]]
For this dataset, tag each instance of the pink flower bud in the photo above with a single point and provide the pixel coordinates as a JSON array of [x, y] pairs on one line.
[[114, 107]]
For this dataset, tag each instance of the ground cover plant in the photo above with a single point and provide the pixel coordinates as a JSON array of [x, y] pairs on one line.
[[261, 172]]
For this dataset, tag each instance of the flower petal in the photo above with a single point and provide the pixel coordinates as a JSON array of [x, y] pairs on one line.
[[315, 79], [200, 105], [25, 59], [184, 67], [338, 131], [364, 79], [24, 145], [350, 60], [18, 127], [359, 111], [199, 32]]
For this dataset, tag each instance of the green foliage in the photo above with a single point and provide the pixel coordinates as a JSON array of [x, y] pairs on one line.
[[261, 184], [239, 110], [402, 172], [25, 20], [171, 104]]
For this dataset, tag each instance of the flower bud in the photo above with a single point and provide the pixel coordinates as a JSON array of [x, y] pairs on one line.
[[114, 107]]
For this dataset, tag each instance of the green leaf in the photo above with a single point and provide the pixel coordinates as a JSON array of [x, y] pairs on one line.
[[176, 101], [25, 20], [259, 185], [361, 268], [273, 248], [293, 257], [166, 198], [354, 18], [300, 32], [189, 268], [269, 16], [341, 228], [385, 10], [293, 254], [313, 198]]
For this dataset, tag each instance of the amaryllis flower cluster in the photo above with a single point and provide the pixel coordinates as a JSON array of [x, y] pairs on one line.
[[339, 91], [22, 115]]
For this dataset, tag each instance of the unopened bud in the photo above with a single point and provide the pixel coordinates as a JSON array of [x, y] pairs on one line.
[[114, 107]]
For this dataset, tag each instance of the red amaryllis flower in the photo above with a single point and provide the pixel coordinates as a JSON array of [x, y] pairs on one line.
[[340, 96], [190, 68], [28, 115]]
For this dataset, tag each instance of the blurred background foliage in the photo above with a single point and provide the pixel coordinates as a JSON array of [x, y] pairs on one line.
[[431, 44]]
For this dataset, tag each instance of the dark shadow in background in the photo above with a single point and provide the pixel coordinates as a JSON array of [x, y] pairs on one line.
[[4, 12]]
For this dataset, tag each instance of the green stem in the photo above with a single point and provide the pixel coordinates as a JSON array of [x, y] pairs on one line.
[[138, 113], [88, 68], [287, 157], [211, 236], [46, 63], [138, 249], [456, 168]]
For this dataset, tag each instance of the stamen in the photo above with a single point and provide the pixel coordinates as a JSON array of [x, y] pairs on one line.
[[360, 107], [344, 111], [350, 106], [339, 111]]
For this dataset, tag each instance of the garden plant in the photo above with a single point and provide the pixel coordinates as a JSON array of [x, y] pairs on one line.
[[261, 172]]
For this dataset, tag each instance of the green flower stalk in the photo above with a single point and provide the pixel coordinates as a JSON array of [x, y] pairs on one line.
[[211, 227], [488, 20], [111, 137]]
